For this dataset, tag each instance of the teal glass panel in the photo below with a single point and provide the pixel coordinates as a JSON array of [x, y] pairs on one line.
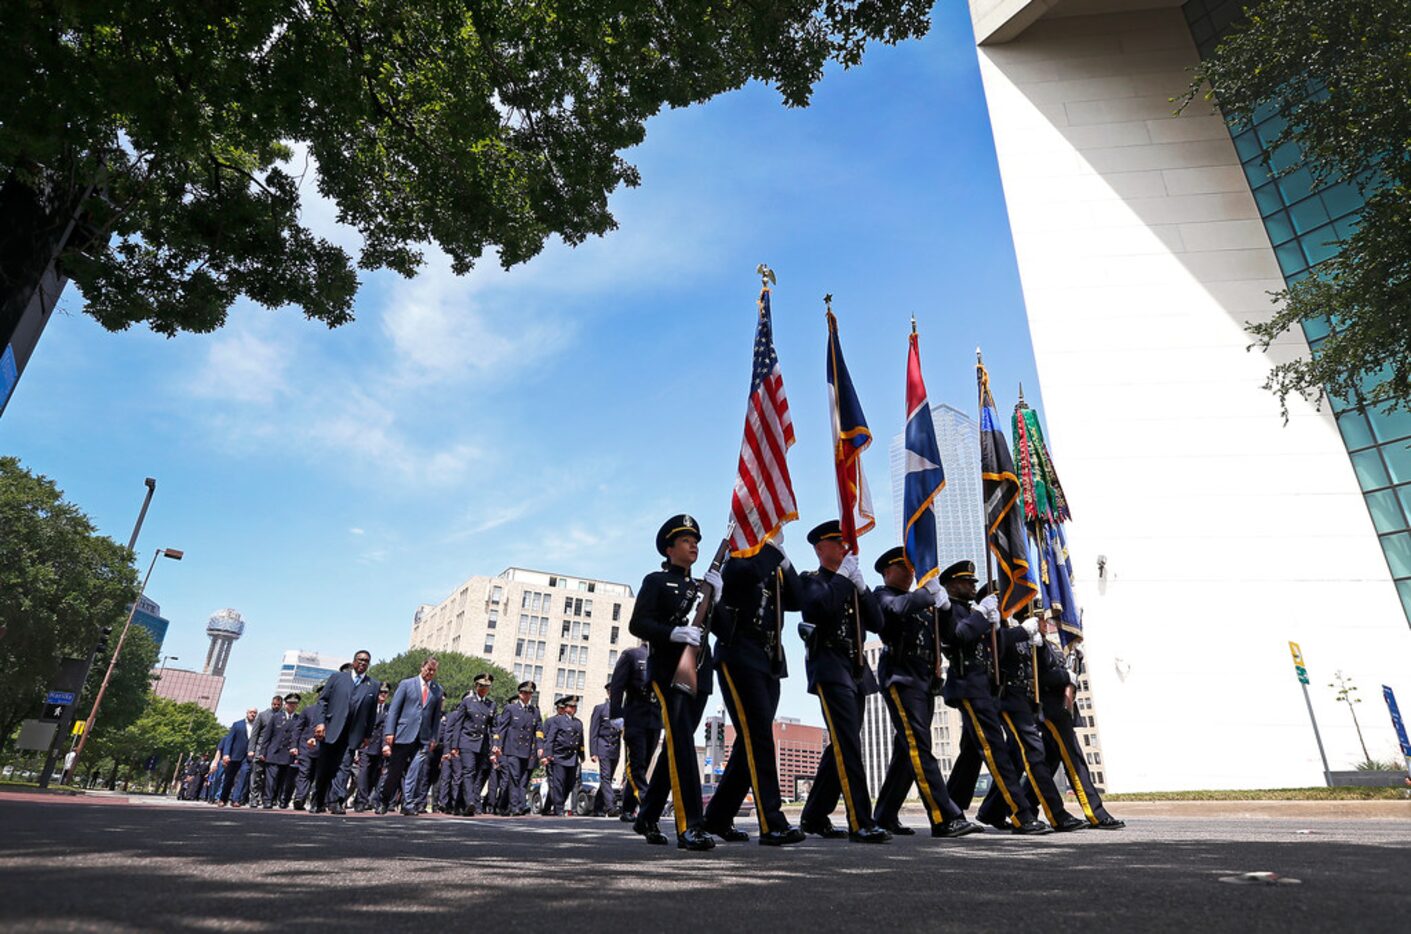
[[1286, 156], [1315, 328], [1398, 552], [1404, 493], [1308, 213], [1404, 589], [1390, 425], [1386, 511], [1296, 185], [1370, 472], [1320, 244], [1248, 146], [1347, 226], [1280, 227], [1270, 124], [1268, 198], [1342, 198], [1355, 430], [1255, 173], [1290, 257], [1398, 460]]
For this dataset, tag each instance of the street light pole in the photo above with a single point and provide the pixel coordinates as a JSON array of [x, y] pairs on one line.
[[163, 669], [117, 651], [151, 484]]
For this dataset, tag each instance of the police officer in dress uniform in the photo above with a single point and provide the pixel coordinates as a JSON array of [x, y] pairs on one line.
[[1025, 746], [1061, 747], [605, 748], [632, 700], [563, 753], [470, 743], [968, 687], [662, 616], [910, 671], [749, 655], [837, 608], [370, 758], [278, 754], [518, 737], [306, 759]]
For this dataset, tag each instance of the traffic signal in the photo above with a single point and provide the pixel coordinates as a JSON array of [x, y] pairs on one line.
[[103, 640]]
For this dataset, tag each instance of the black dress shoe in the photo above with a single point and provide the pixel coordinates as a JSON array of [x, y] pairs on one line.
[[958, 827], [650, 832], [380, 810], [1033, 828], [359, 808], [697, 840], [298, 805], [614, 812], [320, 810], [870, 835], [823, 828], [336, 809], [730, 834], [409, 812], [627, 817], [782, 837], [1110, 823], [898, 829], [1068, 823]]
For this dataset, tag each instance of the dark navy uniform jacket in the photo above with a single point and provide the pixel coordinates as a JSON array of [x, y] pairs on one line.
[[283, 736], [834, 655], [967, 634], [563, 739], [1053, 682], [518, 730], [630, 693], [666, 600], [1016, 670], [748, 622], [474, 724], [911, 637], [304, 731], [604, 739]]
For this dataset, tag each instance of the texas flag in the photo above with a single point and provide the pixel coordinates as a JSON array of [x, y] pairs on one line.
[[924, 476]]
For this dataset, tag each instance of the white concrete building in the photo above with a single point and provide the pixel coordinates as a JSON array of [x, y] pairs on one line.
[[562, 632], [300, 671], [1207, 533]]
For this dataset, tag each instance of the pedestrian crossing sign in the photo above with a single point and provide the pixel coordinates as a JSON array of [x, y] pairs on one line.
[[78, 727]]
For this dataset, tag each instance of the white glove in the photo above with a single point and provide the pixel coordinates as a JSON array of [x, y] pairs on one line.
[[1036, 640], [1031, 626], [777, 543], [939, 598], [616, 723], [852, 572], [989, 608], [689, 635], [712, 578]]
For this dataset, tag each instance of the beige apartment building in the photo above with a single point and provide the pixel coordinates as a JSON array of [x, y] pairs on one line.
[[562, 632]]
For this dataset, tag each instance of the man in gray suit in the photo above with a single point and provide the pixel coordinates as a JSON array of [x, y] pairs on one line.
[[260, 734], [413, 717]]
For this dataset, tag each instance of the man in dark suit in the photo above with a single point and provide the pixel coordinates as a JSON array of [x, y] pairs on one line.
[[370, 758], [562, 754], [409, 737], [260, 736], [236, 757], [343, 721], [605, 748], [280, 754]]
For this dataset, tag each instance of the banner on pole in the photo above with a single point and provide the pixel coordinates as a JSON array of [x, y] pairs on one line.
[[1396, 721]]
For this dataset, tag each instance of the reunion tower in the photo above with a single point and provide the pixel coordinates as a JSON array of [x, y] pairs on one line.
[[224, 627]]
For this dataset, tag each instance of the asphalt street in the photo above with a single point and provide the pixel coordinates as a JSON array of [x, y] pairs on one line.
[[93, 865]]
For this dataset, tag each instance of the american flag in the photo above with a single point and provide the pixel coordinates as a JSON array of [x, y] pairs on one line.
[[764, 495]]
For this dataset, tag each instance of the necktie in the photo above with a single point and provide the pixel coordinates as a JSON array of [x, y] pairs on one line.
[[423, 693]]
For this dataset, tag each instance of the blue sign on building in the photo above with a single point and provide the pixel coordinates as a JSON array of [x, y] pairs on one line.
[[9, 374], [1396, 721]]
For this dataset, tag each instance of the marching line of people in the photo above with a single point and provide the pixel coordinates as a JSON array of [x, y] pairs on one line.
[[383, 747]]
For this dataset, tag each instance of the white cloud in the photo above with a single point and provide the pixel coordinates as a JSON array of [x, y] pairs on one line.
[[241, 366], [357, 531]]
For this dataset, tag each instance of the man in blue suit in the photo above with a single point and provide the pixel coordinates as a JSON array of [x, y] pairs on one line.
[[413, 718], [343, 717], [235, 758]]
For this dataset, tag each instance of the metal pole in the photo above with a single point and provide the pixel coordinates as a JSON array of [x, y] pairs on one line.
[[113, 663], [151, 484], [1327, 774]]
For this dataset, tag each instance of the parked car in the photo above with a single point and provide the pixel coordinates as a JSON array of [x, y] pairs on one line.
[[583, 794]]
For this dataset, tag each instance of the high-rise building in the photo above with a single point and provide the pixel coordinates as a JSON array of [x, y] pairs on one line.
[[797, 749], [224, 627], [149, 617], [1207, 532], [960, 511], [560, 631], [185, 686], [300, 671]]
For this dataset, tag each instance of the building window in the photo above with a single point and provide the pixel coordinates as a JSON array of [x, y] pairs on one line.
[[489, 643], [496, 594], [587, 608], [566, 625], [586, 628], [616, 612], [567, 606], [519, 648], [543, 646], [591, 588], [559, 678], [538, 672], [613, 635], [582, 678], [553, 581], [575, 629], [578, 607], [612, 658], [563, 654], [524, 600]]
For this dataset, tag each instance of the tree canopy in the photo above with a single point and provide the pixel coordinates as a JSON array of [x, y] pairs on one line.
[[164, 730], [455, 673], [1338, 74], [60, 583], [473, 126]]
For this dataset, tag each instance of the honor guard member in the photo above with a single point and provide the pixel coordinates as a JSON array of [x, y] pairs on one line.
[[1061, 746], [837, 608], [516, 744], [279, 754], [370, 758], [910, 671], [438, 774], [470, 743], [749, 657], [662, 616], [632, 700], [1025, 746], [605, 748], [967, 634], [563, 754]]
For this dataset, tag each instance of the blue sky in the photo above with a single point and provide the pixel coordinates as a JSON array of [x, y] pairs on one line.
[[325, 483]]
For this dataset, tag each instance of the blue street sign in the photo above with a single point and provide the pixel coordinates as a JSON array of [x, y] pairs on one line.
[[1396, 720], [9, 374], [59, 697]]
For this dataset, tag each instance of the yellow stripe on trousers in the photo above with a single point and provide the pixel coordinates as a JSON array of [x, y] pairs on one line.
[[627, 759], [990, 761], [853, 825], [1024, 758], [676, 807], [749, 746], [922, 784], [1072, 771]]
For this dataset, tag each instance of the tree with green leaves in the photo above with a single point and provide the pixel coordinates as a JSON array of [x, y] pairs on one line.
[[165, 731], [455, 673], [60, 584], [168, 131], [1338, 74]]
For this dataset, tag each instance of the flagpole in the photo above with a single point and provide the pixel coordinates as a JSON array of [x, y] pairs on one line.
[[852, 544], [989, 555]]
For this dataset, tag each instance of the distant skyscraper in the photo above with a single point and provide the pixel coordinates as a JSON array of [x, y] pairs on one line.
[[224, 627], [959, 508], [301, 671], [149, 616]]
